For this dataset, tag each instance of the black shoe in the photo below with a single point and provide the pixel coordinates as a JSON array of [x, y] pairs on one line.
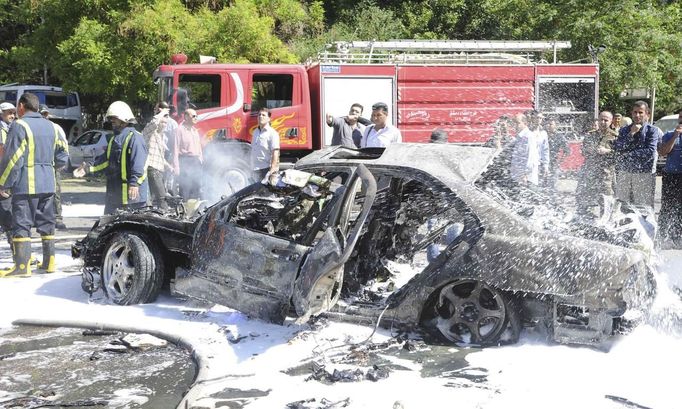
[[60, 226]]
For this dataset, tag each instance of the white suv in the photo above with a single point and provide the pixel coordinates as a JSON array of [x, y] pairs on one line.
[[65, 107]]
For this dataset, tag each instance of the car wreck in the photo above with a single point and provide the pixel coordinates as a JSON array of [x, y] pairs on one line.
[[414, 236]]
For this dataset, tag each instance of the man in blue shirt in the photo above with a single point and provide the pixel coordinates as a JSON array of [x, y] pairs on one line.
[[635, 157], [670, 217]]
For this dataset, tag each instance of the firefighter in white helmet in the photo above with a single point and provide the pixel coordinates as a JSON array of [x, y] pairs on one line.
[[123, 162]]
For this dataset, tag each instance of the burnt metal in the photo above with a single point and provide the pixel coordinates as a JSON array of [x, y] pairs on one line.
[[274, 252]]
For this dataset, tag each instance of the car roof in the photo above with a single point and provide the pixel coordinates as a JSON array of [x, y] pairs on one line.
[[447, 162]]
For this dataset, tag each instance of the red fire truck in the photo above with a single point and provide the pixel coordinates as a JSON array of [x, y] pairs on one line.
[[462, 87]]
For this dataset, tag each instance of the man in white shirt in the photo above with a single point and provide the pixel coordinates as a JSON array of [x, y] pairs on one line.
[[525, 162], [535, 119], [264, 148], [381, 134]]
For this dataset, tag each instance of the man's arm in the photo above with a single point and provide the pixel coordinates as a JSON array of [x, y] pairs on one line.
[[61, 149], [13, 158], [274, 146], [330, 119], [668, 140]]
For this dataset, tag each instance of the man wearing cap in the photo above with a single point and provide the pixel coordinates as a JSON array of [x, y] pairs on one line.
[[27, 169], [8, 115], [123, 162], [381, 134], [45, 112]]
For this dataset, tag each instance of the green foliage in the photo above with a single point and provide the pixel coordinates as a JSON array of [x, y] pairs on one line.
[[108, 49]]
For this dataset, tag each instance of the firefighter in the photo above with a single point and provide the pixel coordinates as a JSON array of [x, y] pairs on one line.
[[33, 148], [45, 112], [123, 162]]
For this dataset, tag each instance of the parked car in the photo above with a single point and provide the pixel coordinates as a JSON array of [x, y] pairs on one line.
[[418, 236], [87, 146]]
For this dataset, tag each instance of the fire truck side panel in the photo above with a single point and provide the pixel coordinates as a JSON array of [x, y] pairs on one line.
[[464, 100]]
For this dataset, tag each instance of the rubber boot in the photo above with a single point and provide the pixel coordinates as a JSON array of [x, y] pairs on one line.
[[22, 255], [48, 265]]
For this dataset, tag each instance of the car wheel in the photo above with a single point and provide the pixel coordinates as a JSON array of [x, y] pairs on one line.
[[132, 269], [472, 312]]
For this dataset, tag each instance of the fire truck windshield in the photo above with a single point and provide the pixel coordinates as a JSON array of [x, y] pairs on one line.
[[165, 89]]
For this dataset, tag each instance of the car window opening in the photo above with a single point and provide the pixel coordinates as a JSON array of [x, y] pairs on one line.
[[410, 226], [288, 212]]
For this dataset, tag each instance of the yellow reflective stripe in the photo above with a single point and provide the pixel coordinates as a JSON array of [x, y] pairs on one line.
[[99, 167], [141, 179], [59, 141], [21, 239], [30, 163], [124, 158], [13, 161], [104, 164], [47, 237], [124, 193], [3, 136]]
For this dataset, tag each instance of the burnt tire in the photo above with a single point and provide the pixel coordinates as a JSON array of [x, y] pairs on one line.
[[132, 269], [470, 312]]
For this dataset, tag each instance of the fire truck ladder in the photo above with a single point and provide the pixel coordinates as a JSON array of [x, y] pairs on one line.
[[438, 51]]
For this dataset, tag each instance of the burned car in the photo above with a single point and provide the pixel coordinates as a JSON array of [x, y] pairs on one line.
[[434, 237]]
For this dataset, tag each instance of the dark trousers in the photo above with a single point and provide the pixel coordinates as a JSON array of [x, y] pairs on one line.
[[58, 195], [157, 188], [190, 177], [33, 211], [670, 217], [6, 217], [113, 198]]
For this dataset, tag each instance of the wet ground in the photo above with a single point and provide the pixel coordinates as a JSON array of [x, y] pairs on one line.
[[63, 367]]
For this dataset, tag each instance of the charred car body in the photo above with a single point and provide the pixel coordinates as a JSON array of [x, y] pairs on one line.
[[416, 235]]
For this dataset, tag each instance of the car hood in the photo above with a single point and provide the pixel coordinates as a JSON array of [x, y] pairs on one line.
[[450, 163]]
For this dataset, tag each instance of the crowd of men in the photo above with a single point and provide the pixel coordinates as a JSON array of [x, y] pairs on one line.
[[620, 156], [620, 160]]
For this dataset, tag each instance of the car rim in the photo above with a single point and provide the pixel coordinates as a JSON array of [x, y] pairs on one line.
[[470, 312], [119, 270]]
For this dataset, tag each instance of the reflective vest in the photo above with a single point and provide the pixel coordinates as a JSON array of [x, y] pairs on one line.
[[124, 160], [32, 150]]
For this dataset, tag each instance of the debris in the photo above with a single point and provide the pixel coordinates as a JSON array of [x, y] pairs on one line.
[[233, 340], [324, 404], [98, 333], [143, 341], [348, 375]]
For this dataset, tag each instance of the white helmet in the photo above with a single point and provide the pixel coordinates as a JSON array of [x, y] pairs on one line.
[[121, 110]]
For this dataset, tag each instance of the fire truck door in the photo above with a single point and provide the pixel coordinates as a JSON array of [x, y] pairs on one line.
[[339, 93]]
